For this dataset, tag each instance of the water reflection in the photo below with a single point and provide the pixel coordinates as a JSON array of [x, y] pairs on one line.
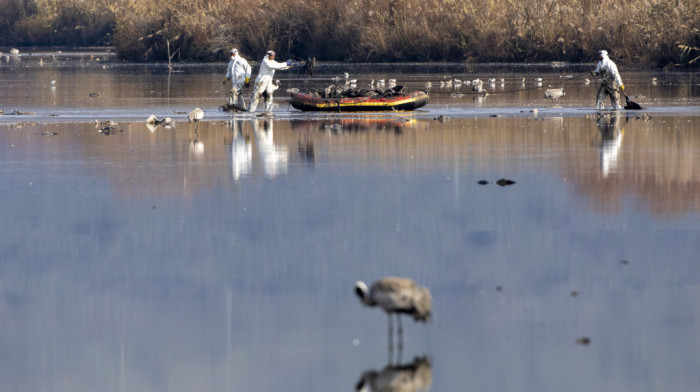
[[611, 132], [196, 145], [411, 377], [241, 150], [273, 157], [355, 125]]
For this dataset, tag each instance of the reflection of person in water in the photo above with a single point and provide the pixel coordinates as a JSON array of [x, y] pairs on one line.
[[241, 150], [274, 158], [413, 377], [611, 131]]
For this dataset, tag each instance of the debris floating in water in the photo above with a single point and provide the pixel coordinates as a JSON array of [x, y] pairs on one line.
[[505, 182], [584, 340]]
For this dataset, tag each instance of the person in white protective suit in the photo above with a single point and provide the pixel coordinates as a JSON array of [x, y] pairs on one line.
[[238, 72], [263, 82], [611, 82]]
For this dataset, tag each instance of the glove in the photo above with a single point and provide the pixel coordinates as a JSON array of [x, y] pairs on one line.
[[247, 82], [225, 80], [289, 63], [622, 87], [592, 73]]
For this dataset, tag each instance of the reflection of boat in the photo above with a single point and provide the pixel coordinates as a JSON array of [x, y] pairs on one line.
[[350, 125], [413, 377], [403, 101]]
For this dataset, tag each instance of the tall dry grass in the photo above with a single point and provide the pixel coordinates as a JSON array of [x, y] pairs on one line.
[[634, 31], [55, 22]]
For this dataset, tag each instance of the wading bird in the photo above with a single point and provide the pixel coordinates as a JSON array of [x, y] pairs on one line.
[[395, 296]]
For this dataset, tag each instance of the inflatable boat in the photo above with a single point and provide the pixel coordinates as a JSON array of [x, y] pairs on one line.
[[403, 101]]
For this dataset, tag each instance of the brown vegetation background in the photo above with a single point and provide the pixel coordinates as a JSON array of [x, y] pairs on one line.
[[644, 32]]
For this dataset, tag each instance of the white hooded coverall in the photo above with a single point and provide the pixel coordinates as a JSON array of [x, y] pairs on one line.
[[610, 83], [263, 83], [238, 70]]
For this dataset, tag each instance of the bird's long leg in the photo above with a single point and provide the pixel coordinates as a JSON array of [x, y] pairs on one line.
[[391, 336], [400, 338]]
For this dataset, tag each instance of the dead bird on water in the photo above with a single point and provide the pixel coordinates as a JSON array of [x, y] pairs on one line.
[[196, 115], [554, 93], [153, 120]]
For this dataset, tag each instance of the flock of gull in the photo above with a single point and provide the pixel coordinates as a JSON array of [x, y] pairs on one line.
[[478, 86]]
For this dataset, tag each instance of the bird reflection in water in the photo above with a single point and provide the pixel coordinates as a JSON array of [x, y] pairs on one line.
[[196, 145], [611, 131], [241, 150], [274, 158], [411, 377]]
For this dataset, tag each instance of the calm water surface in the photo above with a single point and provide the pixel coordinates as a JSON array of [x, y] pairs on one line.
[[220, 256]]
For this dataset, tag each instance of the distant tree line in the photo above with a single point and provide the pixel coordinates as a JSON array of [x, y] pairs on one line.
[[644, 32]]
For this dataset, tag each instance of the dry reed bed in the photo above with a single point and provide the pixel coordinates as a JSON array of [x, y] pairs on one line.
[[634, 31]]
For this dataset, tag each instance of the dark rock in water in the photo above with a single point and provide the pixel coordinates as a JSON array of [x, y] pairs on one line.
[[584, 341], [624, 262], [94, 95], [483, 182], [505, 182], [442, 118]]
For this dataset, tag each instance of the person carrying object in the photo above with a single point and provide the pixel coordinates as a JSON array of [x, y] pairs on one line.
[[263, 82], [611, 82], [238, 72]]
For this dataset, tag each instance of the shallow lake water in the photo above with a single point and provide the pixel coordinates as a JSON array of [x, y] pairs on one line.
[[221, 255]]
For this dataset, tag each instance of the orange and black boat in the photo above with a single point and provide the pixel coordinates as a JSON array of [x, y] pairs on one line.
[[402, 101]]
